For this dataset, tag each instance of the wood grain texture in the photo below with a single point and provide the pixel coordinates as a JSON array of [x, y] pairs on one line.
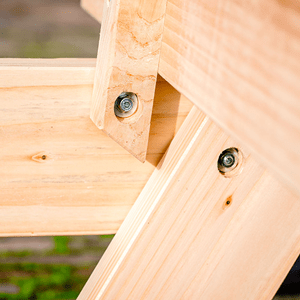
[[184, 240], [59, 174], [238, 61], [17, 72], [128, 56]]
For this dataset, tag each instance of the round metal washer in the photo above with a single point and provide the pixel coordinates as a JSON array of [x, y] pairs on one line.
[[126, 105]]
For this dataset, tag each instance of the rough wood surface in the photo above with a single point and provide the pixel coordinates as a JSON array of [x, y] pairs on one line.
[[195, 234], [239, 62], [59, 173], [128, 56]]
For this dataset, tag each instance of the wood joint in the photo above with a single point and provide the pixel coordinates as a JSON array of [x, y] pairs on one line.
[[127, 62]]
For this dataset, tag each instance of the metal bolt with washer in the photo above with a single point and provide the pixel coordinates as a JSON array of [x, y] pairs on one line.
[[228, 160], [126, 105]]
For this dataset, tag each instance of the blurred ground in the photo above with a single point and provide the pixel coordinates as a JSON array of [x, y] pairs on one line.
[[46, 28], [58, 267], [48, 267]]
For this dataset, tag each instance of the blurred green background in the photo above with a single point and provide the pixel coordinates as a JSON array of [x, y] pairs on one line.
[[48, 267], [58, 267]]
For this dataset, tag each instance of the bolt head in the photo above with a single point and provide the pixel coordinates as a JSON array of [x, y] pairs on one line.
[[126, 105], [228, 160]]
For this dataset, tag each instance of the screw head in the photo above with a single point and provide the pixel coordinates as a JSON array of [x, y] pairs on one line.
[[228, 160], [126, 105]]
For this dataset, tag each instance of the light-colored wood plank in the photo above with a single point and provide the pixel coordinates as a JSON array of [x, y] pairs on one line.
[[239, 62], [87, 183], [128, 57], [195, 234], [17, 72], [93, 6]]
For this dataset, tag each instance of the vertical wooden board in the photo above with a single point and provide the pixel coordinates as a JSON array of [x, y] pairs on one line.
[[195, 234], [128, 56]]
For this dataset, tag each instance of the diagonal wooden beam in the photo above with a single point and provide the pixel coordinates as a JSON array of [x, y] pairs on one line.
[[59, 174], [238, 61], [194, 233]]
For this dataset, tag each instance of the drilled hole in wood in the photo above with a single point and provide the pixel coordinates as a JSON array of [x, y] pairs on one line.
[[134, 115], [126, 105], [230, 162]]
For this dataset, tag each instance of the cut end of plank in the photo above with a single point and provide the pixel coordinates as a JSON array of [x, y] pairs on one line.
[[124, 135], [139, 153]]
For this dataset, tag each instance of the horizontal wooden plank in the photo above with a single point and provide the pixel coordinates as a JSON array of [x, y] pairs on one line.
[[239, 62], [196, 234], [17, 72], [59, 173]]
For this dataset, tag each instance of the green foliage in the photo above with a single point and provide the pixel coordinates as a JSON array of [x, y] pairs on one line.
[[29, 280], [44, 282], [61, 244], [23, 253], [107, 237]]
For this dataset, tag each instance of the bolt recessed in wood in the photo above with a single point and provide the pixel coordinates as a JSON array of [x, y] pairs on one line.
[[126, 105], [228, 160]]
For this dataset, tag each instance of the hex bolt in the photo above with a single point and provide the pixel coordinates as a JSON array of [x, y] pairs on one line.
[[126, 105], [228, 160]]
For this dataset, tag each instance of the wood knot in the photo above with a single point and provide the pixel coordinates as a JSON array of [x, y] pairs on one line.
[[227, 202], [41, 157]]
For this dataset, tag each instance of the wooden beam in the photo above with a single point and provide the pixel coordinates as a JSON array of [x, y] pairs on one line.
[[93, 6], [195, 234], [18, 72], [238, 61], [59, 174], [127, 65]]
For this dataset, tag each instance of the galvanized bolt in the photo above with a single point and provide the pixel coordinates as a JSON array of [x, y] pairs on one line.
[[228, 160], [126, 105]]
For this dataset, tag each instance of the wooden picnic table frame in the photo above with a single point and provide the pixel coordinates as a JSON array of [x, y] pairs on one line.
[[183, 229]]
